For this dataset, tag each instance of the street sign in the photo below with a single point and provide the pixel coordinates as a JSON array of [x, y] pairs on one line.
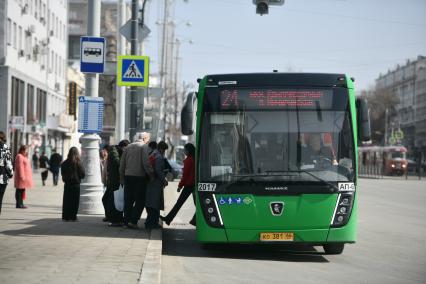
[[133, 70], [17, 122], [125, 31], [90, 114], [92, 54]]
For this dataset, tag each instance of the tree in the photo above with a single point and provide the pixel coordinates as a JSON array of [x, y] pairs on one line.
[[379, 100]]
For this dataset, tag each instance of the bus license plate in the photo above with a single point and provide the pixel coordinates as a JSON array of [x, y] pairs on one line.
[[277, 237]]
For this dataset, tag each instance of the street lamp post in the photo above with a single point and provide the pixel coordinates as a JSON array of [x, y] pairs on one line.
[[91, 187]]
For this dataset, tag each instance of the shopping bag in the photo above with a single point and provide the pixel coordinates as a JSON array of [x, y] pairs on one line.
[[119, 198]]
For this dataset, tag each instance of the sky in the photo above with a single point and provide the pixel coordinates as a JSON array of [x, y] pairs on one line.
[[362, 38]]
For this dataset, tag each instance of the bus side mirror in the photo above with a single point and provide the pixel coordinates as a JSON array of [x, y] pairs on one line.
[[187, 114], [363, 116]]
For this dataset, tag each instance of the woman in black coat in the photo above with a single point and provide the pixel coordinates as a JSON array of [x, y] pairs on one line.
[[72, 172]]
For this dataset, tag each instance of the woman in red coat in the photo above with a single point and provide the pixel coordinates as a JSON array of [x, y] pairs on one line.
[[23, 176], [187, 182]]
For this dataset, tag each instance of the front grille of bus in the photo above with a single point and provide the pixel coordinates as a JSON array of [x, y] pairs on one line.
[[343, 209], [210, 210]]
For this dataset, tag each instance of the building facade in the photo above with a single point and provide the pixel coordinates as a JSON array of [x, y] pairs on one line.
[[408, 83], [33, 39]]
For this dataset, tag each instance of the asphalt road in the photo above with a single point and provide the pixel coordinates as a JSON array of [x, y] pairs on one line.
[[391, 246]]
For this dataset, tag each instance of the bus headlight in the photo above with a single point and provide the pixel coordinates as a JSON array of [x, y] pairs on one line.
[[393, 165], [343, 209], [210, 209]]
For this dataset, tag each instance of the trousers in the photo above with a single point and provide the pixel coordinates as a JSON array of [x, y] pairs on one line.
[[185, 193], [70, 201], [134, 198]]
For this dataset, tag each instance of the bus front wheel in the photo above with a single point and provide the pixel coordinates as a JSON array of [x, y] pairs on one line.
[[336, 248]]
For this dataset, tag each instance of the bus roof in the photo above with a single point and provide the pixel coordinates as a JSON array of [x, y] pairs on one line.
[[279, 79]]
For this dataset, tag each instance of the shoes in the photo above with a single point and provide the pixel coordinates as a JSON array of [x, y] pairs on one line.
[[165, 220], [105, 219], [74, 220], [22, 207], [193, 221], [65, 220], [115, 224]]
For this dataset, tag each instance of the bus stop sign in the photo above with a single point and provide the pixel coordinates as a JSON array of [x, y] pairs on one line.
[[92, 54], [133, 70]]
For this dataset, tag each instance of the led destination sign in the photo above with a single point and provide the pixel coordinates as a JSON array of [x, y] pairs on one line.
[[275, 99]]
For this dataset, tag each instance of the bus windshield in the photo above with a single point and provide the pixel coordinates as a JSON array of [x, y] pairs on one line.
[[292, 145]]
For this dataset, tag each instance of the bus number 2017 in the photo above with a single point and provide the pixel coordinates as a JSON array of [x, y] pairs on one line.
[[206, 187]]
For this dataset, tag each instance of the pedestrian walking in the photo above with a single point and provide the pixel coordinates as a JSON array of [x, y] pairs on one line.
[[187, 182], [72, 172], [55, 165], [35, 159], [23, 176], [44, 167], [155, 188], [113, 183], [135, 172], [6, 168]]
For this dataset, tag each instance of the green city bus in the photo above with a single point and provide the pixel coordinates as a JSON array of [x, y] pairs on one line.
[[276, 158]]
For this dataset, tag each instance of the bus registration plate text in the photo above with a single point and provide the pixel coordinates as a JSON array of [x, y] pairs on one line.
[[277, 237], [206, 187]]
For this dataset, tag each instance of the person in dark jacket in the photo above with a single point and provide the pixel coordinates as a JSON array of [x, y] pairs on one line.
[[154, 192], [6, 168], [44, 167], [72, 172], [55, 165], [187, 182], [113, 183]]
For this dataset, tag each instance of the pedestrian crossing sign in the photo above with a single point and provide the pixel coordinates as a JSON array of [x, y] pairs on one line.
[[133, 70]]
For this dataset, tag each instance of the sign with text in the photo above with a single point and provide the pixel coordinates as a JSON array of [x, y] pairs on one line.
[[90, 114]]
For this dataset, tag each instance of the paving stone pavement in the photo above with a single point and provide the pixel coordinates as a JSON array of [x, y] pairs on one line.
[[37, 247]]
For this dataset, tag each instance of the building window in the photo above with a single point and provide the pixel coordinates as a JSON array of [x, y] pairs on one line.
[[35, 8], [9, 32], [41, 106], [56, 27], [17, 105], [14, 35], [20, 38], [56, 64], [74, 47], [30, 104]]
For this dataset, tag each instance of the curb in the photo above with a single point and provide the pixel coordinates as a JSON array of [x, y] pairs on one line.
[[151, 267]]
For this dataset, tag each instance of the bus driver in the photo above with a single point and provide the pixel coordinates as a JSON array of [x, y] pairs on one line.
[[316, 153]]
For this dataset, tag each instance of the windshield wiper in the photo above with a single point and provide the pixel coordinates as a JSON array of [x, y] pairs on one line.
[[312, 175]]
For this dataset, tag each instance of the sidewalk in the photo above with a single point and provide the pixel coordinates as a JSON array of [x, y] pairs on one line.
[[37, 247]]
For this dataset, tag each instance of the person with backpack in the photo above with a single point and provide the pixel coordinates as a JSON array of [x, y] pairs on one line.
[[6, 168]]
